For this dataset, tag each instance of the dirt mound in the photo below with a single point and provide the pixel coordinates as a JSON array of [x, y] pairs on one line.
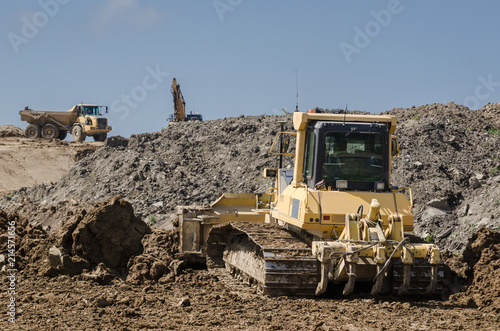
[[482, 256], [28, 162], [158, 262], [11, 131], [450, 160], [108, 241], [96, 244], [23, 235], [110, 233], [188, 163]]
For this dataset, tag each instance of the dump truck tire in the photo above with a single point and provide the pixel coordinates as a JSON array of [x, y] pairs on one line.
[[100, 137], [78, 134], [32, 131], [62, 134], [50, 131]]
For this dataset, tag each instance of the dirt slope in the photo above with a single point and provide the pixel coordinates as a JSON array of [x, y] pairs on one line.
[[27, 162]]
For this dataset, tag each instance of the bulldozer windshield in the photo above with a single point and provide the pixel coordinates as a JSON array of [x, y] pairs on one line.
[[353, 156]]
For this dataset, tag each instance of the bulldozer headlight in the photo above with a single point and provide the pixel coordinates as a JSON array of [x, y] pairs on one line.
[[379, 186], [341, 184]]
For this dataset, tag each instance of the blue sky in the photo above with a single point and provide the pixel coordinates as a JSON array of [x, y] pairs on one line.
[[234, 57]]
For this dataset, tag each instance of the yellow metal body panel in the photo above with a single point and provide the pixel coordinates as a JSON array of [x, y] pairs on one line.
[[300, 206], [196, 222]]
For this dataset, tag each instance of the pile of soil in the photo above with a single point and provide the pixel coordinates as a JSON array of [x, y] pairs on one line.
[[481, 259], [450, 159], [11, 131]]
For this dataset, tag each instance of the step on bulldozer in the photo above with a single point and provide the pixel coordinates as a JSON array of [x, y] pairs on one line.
[[334, 217]]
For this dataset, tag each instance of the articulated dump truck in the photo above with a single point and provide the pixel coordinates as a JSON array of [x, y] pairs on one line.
[[334, 218], [82, 120]]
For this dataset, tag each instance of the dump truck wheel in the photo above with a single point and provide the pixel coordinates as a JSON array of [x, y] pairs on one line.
[[32, 131], [100, 137], [50, 131], [78, 134], [62, 134]]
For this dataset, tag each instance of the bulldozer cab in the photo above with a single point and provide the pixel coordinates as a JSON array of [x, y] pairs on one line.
[[347, 156]]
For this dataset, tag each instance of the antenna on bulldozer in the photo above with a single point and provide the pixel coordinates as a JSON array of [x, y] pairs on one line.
[[297, 90], [345, 112]]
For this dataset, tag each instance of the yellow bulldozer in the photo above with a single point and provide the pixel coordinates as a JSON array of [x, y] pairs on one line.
[[334, 217]]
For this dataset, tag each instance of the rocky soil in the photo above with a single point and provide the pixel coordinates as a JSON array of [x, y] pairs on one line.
[[97, 249], [450, 157]]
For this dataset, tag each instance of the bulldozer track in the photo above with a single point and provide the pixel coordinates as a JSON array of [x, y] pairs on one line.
[[266, 256]]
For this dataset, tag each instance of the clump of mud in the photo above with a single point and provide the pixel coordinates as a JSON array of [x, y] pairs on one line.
[[158, 262], [482, 261]]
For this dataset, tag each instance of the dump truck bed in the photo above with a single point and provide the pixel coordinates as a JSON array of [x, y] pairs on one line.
[[59, 118]]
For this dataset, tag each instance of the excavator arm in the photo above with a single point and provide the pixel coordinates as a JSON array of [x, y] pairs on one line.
[[179, 103]]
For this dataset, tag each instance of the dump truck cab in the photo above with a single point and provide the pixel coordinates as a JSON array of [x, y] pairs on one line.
[[90, 122], [91, 110]]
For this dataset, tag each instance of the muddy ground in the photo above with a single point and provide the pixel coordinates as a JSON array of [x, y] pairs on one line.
[[78, 267], [68, 279]]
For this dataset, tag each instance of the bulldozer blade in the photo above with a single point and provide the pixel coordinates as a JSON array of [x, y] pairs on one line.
[[323, 284], [422, 278], [379, 280], [406, 279], [351, 273], [434, 279]]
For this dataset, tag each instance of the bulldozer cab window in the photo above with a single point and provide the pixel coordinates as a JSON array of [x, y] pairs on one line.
[[356, 156], [309, 155]]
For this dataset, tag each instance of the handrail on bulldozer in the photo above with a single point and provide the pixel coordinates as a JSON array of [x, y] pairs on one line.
[[285, 144]]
